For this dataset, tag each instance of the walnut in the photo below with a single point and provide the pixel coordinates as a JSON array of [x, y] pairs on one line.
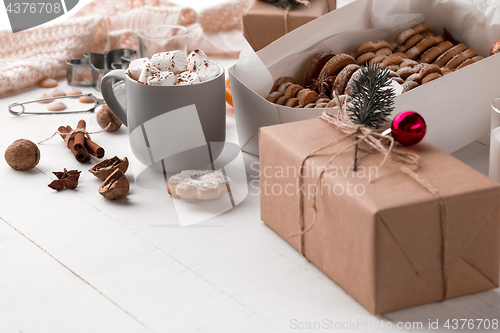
[[105, 168], [105, 116], [22, 155], [116, 186]]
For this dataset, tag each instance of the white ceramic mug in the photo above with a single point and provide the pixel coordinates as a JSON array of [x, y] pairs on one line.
[[171, 128]]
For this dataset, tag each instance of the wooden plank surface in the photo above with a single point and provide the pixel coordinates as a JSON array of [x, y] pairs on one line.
[[72, 261]]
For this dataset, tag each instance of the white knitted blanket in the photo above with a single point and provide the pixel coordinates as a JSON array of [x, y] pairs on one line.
[[26, 57]]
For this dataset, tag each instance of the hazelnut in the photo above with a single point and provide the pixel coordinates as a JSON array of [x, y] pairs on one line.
[[22, 155], [105, 116], [116, 186], [103, 169]]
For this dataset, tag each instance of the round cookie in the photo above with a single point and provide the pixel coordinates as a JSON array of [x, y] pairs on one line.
[[469, 62], [323, 100], [364, 58], [73, 91], [429, 69], [282, 80], [56, 106], [460, 58], [281, 89], [398, 80], [414, 77], [404, 35], [308, 97], [411, 42], [384, 51], [434, 52], [292, 102], [382, 44], [445, 71], [57, 93], [315, 65], [495, 48], [418, 68], [303, 91], [274, 96], [378, 59], [320, 105], [292, 90], [282, 100], [449, 54], [85, 99], [44, 96], [393, 68], [421, 28], [343, 78], [404, 72], [422, 46], [394, 59], [408, 63], [349, 90], [431, 77], [336, 64], [48, 83], [364, 48], [409, 85]]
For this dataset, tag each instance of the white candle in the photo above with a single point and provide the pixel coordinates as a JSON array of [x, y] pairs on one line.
[[495, 154]]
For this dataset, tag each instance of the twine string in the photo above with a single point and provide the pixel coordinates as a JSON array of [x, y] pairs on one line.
[[287, 11], [71, 134]]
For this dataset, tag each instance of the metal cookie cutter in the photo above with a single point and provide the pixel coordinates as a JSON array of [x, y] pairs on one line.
[[18, 108], [88, 72]]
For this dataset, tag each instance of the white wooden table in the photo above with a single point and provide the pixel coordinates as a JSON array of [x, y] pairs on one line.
[[72, 261]]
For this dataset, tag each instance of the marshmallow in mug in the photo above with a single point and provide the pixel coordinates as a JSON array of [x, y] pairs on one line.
[[147, 71], [173, 68], [186, 78], [173, 61], [197, 61], [135, 67], [164, 78]]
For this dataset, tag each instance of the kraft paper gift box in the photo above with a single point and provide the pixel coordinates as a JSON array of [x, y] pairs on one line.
[[382, 241], [263, 23], [456, 107]]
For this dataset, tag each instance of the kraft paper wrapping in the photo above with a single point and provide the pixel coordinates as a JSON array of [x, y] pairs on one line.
[[263, 23], [383, 247]]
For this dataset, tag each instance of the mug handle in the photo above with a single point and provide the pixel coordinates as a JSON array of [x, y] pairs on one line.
[[109, 95]]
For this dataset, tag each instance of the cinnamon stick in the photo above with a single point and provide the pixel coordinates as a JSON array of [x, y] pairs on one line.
[[82, 155], [79, 137], [93, 148]]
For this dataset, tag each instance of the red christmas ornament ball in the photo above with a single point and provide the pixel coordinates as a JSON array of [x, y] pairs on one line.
[[408, 128]]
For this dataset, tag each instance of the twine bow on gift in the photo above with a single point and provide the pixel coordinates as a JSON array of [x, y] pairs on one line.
[[287, 6], [384, 145]]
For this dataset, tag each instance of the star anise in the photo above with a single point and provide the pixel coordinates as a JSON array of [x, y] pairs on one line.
[[322, 85], [65, 179]]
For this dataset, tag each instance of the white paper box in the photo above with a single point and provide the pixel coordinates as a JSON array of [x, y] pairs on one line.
[[456, 107]]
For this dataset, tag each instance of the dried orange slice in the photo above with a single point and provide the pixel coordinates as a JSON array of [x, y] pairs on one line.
[[229, 97]]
